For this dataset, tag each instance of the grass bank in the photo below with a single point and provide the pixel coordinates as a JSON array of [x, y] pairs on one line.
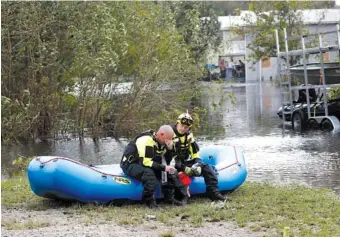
[[257, 206]]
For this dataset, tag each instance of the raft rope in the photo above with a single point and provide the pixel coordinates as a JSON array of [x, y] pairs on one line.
[[235, 163], [79, 163]]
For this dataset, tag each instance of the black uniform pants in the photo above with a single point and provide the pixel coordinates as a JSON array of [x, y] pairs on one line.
[[149, 179], [174, 183], [209, 176], [144, 174]]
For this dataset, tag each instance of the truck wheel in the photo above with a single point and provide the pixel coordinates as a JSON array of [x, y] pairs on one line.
[[299, 121], [326, 125], [313, 124]]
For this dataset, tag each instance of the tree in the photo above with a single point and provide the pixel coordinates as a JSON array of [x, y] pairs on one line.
[[33, 55], [159, 65], [271, 16], [198, 24], [226, 8], [62, 63]]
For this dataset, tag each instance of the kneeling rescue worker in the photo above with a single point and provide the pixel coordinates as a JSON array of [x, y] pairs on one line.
[[142, 160], [187, 158]]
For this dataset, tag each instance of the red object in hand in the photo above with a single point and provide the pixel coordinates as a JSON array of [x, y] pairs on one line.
[[185, 179]]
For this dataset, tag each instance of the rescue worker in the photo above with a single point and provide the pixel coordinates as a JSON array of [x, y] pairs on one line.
[[142, 160], [187, 158]]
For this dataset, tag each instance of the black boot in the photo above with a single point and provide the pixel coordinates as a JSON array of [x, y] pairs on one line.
[[184, 193], [175, 202], [151, 203], [170, 199], [181, 193], [215, 195], [185, 200]]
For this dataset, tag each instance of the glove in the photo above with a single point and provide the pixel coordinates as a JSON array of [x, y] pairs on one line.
[[193, 171], [196, 171], [188, 171]]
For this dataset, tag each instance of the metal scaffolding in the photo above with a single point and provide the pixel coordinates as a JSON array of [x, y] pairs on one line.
[[286, 85]]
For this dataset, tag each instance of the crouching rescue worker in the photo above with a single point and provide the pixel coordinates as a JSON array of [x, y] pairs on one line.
[[142, 160], [187, 158]]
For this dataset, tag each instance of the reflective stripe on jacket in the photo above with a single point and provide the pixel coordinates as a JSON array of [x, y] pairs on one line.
[[145, 150]]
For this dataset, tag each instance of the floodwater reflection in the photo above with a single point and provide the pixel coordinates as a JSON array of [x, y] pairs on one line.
[[272, 153]]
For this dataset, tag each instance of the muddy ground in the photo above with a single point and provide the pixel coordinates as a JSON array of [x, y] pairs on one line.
[[59, 222]]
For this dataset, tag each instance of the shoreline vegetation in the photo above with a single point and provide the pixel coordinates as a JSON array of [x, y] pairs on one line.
[[257, 209]]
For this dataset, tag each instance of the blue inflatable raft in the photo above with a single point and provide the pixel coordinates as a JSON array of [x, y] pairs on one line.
[[66, 179]]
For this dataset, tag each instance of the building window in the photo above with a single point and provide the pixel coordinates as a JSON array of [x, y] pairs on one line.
[[265, 62]]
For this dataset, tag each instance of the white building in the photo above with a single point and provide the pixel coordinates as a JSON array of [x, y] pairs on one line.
[[234, 46]]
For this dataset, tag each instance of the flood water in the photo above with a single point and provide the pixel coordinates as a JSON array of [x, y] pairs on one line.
[[272, 153]]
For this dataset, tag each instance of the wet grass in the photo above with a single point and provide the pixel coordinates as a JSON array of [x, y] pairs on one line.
[[257, 206], [16, 192]]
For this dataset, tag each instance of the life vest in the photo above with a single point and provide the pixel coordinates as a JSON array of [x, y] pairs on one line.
[[131, 155], [182, 144]]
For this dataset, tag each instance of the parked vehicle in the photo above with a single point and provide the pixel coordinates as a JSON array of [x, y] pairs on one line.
[[212, 72], [297, 113], [332, 73]]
